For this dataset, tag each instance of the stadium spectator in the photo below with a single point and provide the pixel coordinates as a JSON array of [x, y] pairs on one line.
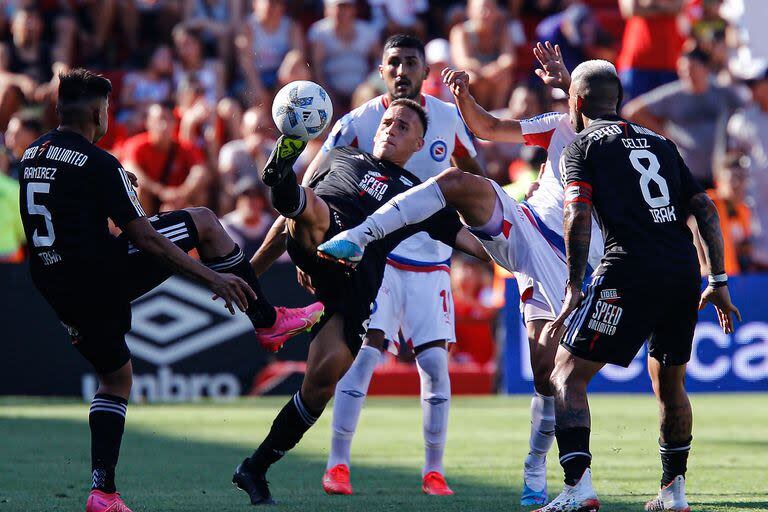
[[157, 18], [342, 51], [399, 17], [217, 21], [172, 172], [145, 87], [472, 294], [269, 42], [249, 222], [28, 53], [438, 54], [748, 132], [98, 21], [688, 112], [192, 64], [483, 47], [651, 45], [246, 156], [12, 237], [22, 130]]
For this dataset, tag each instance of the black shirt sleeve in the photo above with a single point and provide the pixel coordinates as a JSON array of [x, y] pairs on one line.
[[575, 165], [119, 199]]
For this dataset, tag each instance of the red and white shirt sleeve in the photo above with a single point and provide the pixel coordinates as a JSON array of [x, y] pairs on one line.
[[538, 131]]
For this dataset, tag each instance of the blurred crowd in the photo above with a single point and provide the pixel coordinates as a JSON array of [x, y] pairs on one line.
[[194, 80]]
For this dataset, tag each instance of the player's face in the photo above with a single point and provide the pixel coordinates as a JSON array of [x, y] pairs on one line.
[[403, 71], [399, 136], [101, 129]]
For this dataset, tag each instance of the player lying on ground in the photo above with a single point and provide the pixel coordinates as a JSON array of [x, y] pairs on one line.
[[347, 187], [553, 132], [646, 288], [69, 190]]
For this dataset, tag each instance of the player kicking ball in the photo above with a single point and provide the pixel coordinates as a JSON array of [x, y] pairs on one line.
[[646, 288], [70, 189], [348, 185]]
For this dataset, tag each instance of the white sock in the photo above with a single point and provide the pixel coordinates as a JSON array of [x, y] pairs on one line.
[[348, 402], [542, 428], [435, 404], [408, 208]]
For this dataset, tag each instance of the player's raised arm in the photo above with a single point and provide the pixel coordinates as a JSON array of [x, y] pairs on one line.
[[273, 246]]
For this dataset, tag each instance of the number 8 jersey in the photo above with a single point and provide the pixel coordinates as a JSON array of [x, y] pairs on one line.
[[640, 188]]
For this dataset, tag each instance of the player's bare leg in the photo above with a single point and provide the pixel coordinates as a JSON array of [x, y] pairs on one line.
[[542, 351], [572, 428], [676, 423], [329, 357]]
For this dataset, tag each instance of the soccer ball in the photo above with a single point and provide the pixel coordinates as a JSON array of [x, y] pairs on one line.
[[302, 109]]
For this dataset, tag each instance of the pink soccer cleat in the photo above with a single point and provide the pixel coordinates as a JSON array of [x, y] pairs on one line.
[[289, 323], [434, 484], [99, 501], [336, 480]]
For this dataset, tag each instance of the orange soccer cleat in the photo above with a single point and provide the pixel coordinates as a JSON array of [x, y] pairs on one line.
[[289, 323], [434, 484], [336, 480], [99, 501]]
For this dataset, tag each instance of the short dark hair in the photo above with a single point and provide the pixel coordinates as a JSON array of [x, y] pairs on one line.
[[77, 89], [405, 41], [409, 103]]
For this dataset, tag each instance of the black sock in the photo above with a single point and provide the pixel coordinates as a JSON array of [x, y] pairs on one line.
[[107, 421], [288, 197], [575, 458], [674, 459], [260, 311], [287, 430]]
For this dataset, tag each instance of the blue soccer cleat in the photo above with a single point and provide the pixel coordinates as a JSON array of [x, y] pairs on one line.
[[531, 497], [341, 251]]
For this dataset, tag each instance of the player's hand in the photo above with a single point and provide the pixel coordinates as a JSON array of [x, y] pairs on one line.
[[133, 178], [553, 71], [304, 280], [457, 81], [233, 290], [533, 187], [573, 297], [721, 299]]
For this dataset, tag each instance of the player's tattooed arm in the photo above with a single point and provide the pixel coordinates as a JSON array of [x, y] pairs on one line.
[[577, 225], [705, 212], [273, 246]]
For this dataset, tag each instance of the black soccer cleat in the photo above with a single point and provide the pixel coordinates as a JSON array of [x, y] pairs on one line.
[[280, 163], [254, 484]]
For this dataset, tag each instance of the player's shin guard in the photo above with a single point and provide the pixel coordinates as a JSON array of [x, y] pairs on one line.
[[436, 403], [260, 311], [674, 459], [288, 197], [575, 458], [348, 403], [287, 430], [542, 427], [411, 207], [107, 422]]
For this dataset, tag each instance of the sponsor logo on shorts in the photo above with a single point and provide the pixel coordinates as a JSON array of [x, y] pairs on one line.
[[606, 317], [438, 150], [609, 294]]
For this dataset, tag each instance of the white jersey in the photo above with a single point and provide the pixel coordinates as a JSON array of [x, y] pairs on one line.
[[553, 132], [446, 136]]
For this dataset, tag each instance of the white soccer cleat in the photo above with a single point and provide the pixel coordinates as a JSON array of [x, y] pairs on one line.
[[671, 497], [575, 498]]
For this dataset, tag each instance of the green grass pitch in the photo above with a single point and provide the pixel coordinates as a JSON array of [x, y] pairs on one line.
[[180, 457]]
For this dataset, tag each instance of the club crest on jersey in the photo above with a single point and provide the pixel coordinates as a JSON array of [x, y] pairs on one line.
[[438, 150]]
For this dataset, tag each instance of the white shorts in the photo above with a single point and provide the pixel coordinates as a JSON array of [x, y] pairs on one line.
[[417, 302], [522, 248], [533, 303]]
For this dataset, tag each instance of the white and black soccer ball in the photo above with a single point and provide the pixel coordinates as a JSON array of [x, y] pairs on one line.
[[302, 109]]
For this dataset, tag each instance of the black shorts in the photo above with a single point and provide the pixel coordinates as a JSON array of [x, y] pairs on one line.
[[95, 306], [619, 314]]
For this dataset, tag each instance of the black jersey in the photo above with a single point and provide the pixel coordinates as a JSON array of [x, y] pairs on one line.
[[640, 188], [69, 190]]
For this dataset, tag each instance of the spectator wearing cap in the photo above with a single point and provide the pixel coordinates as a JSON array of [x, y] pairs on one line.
[[651, 45], [270, 46], [688, 111], [22, 131], [748, 132], [172, 172], [343, 50], [249, 223], [483, 47], [438, 54]]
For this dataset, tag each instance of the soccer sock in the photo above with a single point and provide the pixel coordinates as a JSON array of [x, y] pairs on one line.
[[574, 452], [348, 403], [542, 428], [107, 422], [260, 311], [411, 207], [674, 459], [288, 198], [287, 430], [435, 404]]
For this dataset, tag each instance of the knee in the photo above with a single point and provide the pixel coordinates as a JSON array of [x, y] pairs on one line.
[[542, 376], [205, 220], [451, 180]]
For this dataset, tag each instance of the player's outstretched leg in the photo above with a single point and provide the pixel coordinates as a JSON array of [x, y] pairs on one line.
[[348, 402], [542, 349], [572, 428], [432, 363], [675, 435], [273, 325], [107, 422], [473, 197], [329, 357]]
